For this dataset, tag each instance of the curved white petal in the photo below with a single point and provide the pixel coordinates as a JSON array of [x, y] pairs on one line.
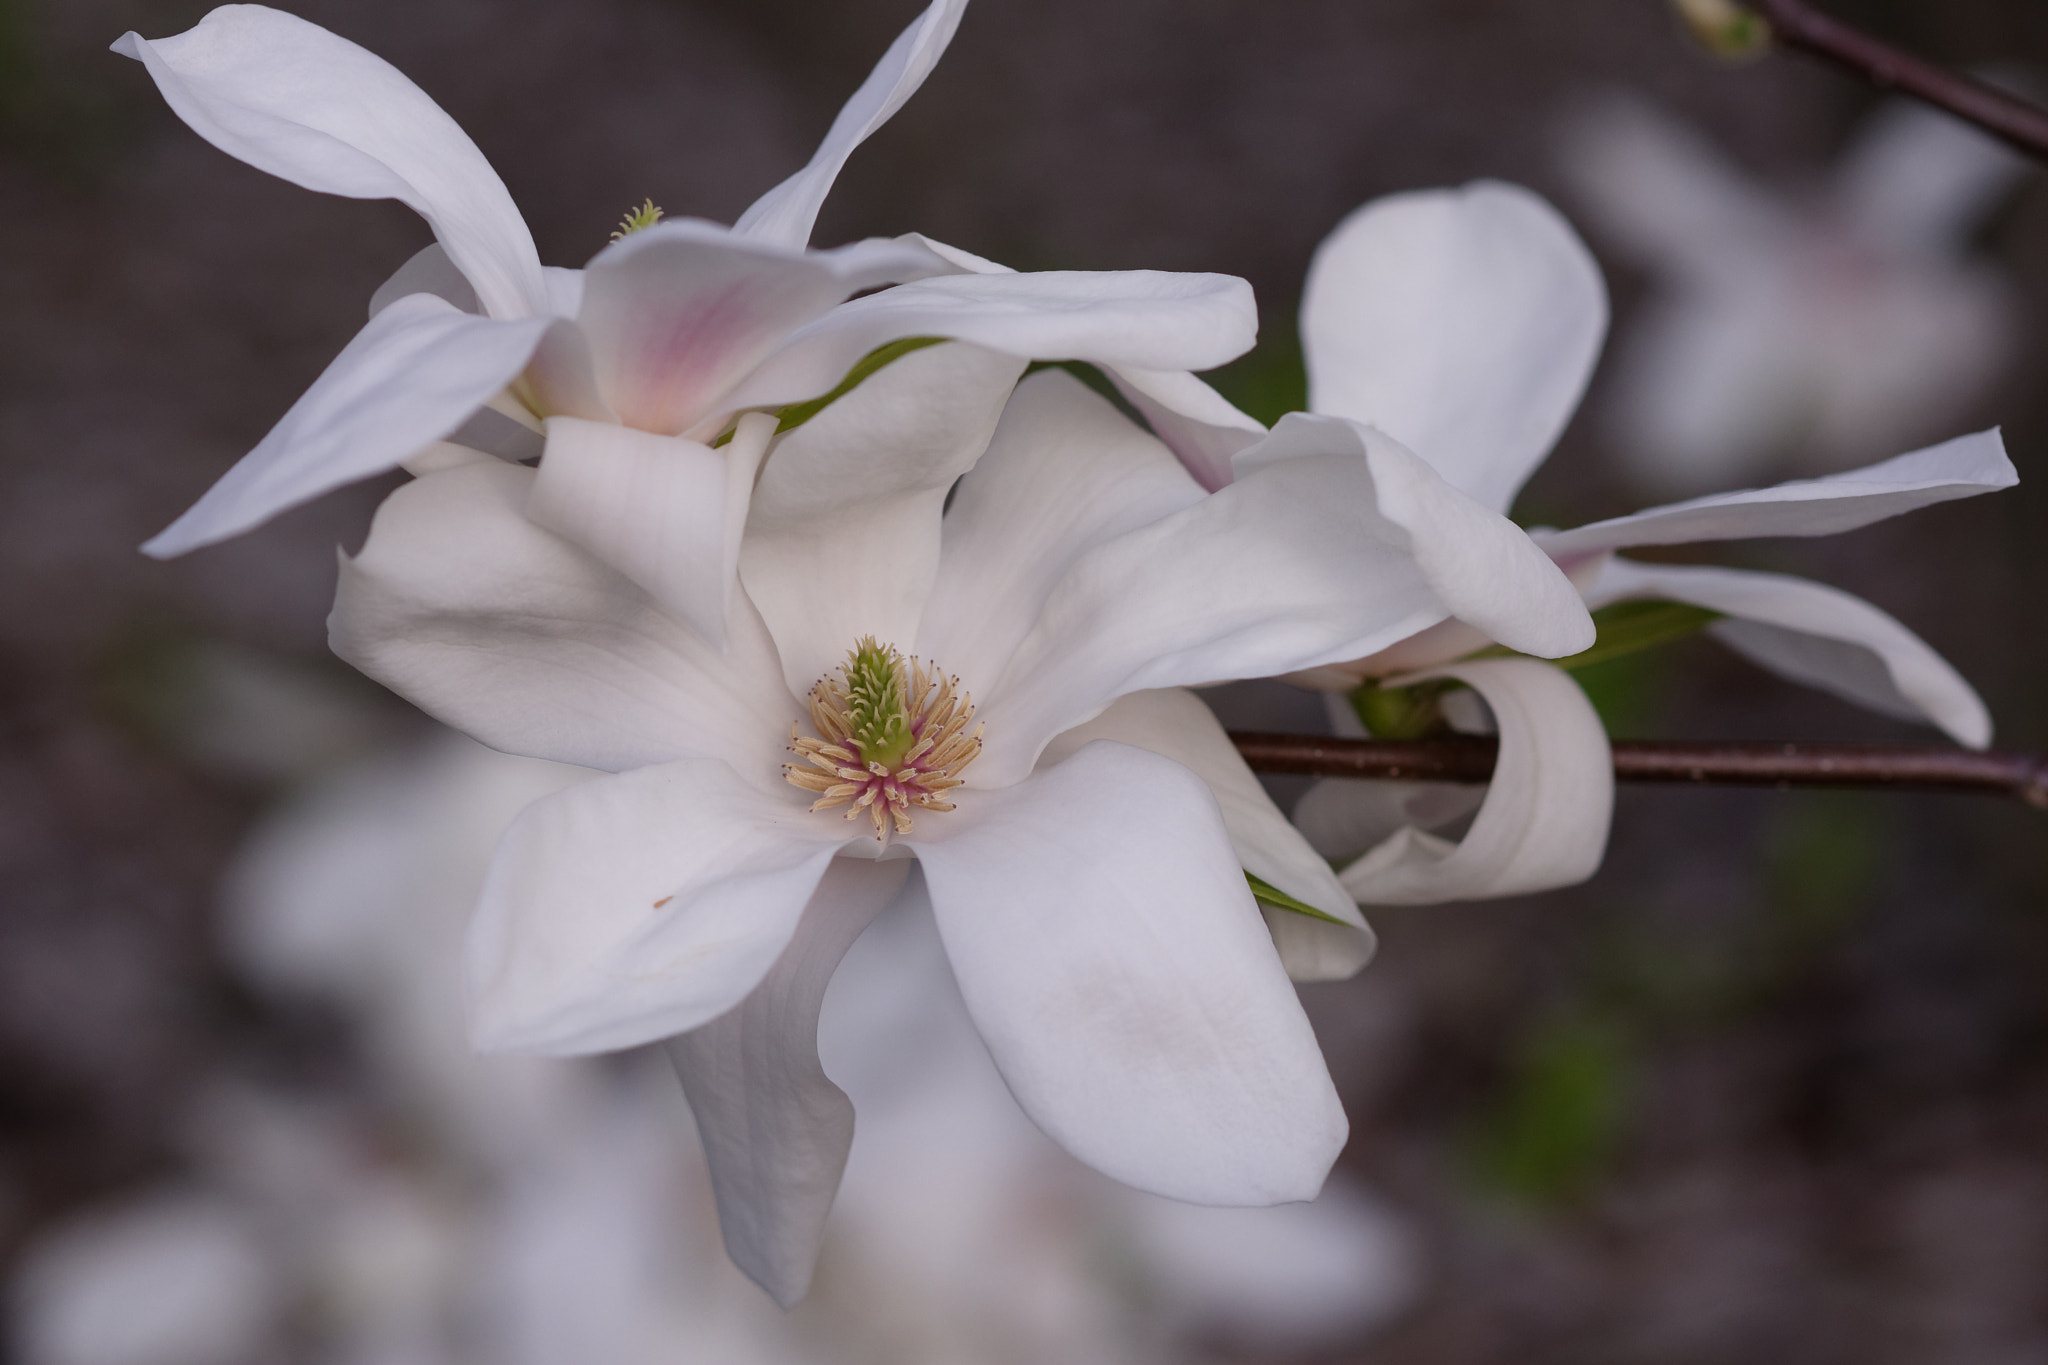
[[1115, 963], [292, 99], [1464, 323], [1063, 473], [1333, 543], [678, 313], [1817, 635], [1174, 723], [843, 536], [1545, 818], [664, 511], [787, 213], [1140, 319], [507, 632], [776, 1130], [1197, 423], [1482, 567], [637, 906], [1961, 468], [409, 378], [427, 271]]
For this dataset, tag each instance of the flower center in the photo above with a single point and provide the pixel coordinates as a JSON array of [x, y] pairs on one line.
[[891, 735]]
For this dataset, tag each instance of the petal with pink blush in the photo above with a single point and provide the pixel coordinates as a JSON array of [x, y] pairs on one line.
[[677, 314]]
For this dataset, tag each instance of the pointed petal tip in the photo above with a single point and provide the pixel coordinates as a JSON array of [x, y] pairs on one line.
[[128, 45]]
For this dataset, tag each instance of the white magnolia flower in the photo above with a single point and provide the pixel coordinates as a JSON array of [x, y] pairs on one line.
[[1796, 332], [622, 372], [1466, 323], [990, 686]]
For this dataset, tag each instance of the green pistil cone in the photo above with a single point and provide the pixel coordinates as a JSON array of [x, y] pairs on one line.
[[878, 703]]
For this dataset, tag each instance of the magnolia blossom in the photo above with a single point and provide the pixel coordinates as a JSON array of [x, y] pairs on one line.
[[959, 629], [625, 376], [1812, 329], [1466, 323]]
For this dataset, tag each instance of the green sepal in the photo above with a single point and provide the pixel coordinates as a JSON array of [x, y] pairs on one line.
[[1265, 893], [1402, 712]]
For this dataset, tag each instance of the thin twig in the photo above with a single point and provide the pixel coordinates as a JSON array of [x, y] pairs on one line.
[[1470, 759], [1795, 23]]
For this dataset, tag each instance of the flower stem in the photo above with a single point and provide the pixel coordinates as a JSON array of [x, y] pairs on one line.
[[1797, 24], [1468, 758]]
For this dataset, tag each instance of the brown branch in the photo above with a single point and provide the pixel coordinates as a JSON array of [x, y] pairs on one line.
[[1470, 759], [1797, 24]]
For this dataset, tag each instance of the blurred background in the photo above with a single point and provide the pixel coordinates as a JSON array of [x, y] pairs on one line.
[[1774, 1085]]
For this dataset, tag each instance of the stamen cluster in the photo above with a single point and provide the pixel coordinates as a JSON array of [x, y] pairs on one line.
[[892, 734]]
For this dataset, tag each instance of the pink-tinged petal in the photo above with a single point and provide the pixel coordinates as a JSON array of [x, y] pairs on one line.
[[678, 313], [638, 906], [1115, 963], [1139, 319], [508, 632], [664, 511], [1961, 468], [843, 537], [409, 378], [776, 1130], [1464, 323], [1817, 635], [294, 100], [1545, 818], [786, 214], [1174, 723]]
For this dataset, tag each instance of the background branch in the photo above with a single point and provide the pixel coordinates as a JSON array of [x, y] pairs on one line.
[[1466, 758], [1796, 24]]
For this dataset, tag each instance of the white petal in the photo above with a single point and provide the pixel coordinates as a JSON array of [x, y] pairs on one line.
[[1544, 821], [1139, 319], [1960, 468], [507, 632], [664, 511], [409, 378], [843, 537], [678, 313], [1194, 420], [1333, 543], [1817, 635], [1464, 323], [637, 906], [292, 99], [1064, 472], [1115, 963], [1197, 423], [427, 271], [787, 213], [1176, 724], [776, 1130]]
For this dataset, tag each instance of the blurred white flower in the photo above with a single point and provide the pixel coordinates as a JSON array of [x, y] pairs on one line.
[[1795, 332], [179, 1277], [535, 1212]]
